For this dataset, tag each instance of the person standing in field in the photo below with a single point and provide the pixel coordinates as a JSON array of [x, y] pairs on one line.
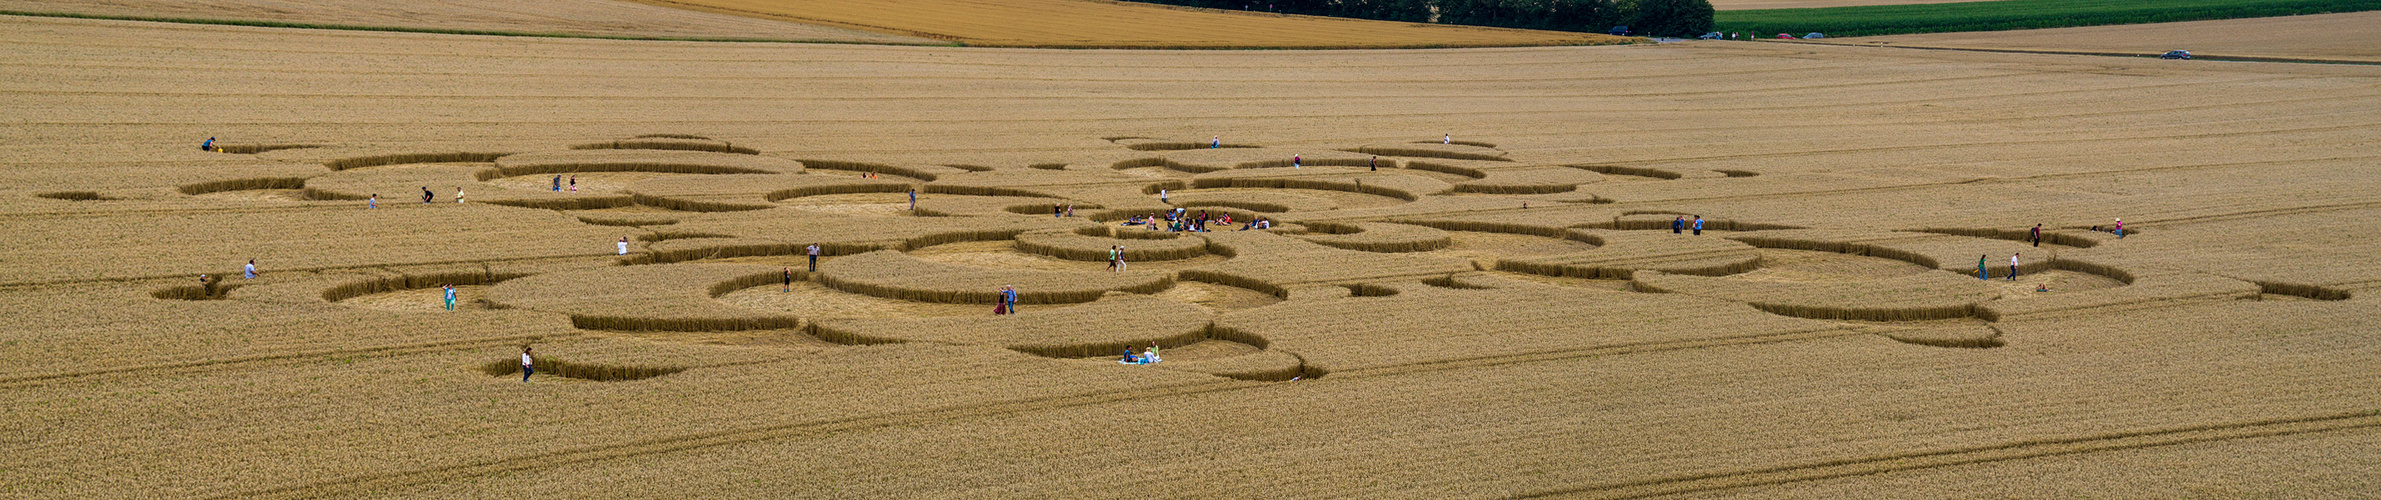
[[1375, 164], [426, 196], [250, 271], [1678, 225], [1070, 210], [1057, 211], [913, 199], [574, 183], [1980, 267], [450, 296], [1698, 225], [1297, 161], [1000, 300], [624, 245], [2037, 235], [557, 183], [373, 202], [1120, 264], [1161, 196], [1112, 257], [814, 257], [789, 279], [527, 364], [1449, 139], [458, 194], [2120, 229], [2013, 267]]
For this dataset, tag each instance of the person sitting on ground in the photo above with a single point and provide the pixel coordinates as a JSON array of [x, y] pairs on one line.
[[2045, 287], [1150, 356]]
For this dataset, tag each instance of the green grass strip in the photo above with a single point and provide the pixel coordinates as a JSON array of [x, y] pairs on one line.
[[439, 31], [2014, 15]]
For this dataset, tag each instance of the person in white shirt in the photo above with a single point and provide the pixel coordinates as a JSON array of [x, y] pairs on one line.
[[458, 195], [814, 257], [624, 245], [527, 364], [2013, 267], [1450, 139]]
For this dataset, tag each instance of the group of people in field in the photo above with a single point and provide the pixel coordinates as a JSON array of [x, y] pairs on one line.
[[1148, 356], [1180, 220]]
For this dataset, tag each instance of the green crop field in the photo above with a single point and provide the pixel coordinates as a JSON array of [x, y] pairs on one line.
[[2013, 15]]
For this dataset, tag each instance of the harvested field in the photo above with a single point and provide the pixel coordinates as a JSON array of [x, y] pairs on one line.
[[1831, 342]]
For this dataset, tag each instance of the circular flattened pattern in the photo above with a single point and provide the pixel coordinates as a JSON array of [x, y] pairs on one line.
[[898, 275]]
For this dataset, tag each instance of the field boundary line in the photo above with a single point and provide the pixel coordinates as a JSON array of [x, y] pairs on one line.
[[2057, 52], [432, 31], [2035, 448], [399, 349]]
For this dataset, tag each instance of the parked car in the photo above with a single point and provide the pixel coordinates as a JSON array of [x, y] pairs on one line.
[[1814, 36], [1620, 31], [2176, 54], [1783, 36], [1712, 36]]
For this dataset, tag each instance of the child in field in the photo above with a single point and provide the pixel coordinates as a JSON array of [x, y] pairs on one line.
[[458, 195], [574, 183], [789, 279]]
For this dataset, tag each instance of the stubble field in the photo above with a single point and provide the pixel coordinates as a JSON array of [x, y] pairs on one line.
[[1499, 310]]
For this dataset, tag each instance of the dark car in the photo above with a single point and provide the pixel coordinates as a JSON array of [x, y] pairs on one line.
[[1620, 31], [2176, 54]]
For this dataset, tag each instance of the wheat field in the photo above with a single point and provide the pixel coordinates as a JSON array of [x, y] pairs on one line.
[[1518, 321]]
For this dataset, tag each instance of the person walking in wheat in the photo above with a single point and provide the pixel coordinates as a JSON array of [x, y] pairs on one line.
[[528, 364]]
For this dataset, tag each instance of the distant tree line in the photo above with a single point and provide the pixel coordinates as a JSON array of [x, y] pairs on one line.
[[1684, 18]]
